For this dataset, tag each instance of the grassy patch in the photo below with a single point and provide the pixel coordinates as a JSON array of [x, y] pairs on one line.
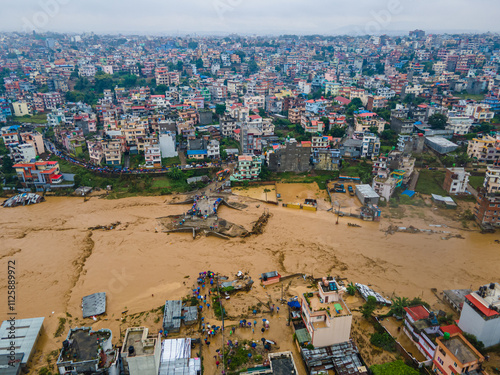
[[39, 118], [430, 182], [60, 327], [170, 161], [476, 181]]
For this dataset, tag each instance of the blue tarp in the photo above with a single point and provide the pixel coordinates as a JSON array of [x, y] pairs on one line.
[[294, 304], [410, 193]]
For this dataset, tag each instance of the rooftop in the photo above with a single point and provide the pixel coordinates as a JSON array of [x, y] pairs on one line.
[[94, 304], [283, 364], [417, 312], [138, 339], [83, 345], [461, 349], [27, 331], [486, 299]]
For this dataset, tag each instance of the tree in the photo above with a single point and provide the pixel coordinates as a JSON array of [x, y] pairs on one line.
[[479, 345], [369, 307], [438, 121], [175, 174], [337, 131], [398, 306], [373, 129], [7, 165], [326, 121], [351, 289], [220, 109], [253, 67], [199, 64], [356, 102], [262, 112], [192, 45]]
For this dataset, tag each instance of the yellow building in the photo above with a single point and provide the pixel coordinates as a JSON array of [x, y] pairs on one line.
[[21, 109]]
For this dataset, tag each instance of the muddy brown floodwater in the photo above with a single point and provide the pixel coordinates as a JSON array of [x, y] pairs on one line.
[[59, 260]]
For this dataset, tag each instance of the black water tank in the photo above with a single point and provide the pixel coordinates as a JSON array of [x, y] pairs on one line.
[[65, 344], [131, 350], [492, 286]]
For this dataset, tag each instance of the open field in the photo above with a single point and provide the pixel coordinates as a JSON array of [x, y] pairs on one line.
[[257, 192]]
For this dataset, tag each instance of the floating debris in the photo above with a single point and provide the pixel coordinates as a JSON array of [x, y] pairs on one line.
[[105, 227], [411, 229], [367, 292], [24, 199]]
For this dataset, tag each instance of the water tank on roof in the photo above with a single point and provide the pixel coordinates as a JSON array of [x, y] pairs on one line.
[[131, 350], [492, 286], [446, 335]]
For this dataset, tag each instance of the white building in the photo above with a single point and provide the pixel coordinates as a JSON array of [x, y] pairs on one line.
[[213, 149], [141, 353], [481, 314], [87, 70], [370, 145], [459, 124], [326, 317], [456, 180], [152, 156], [167, 145], [23, 153]]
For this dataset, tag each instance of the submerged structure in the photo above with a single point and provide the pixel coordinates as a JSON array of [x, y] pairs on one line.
[[203, 217]]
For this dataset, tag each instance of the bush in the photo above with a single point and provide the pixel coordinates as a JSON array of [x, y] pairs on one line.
[[384, 341], [369, 307], [393, 368]]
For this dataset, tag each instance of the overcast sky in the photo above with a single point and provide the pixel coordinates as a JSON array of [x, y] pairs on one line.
[[250, 16]]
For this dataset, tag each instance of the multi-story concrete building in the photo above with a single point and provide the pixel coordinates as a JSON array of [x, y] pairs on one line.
[[293, 157], [366, 120], [40, 175], [456, 180], [459, 124], [167, 145], [294, 115], [484, 149], [456, 355], [96, 153], [248, 168], [35, 139], [213, 149], [152, 156], [480, 314], [326, 317], [24, 153], [141, 352], [487, 208], [112, 151], [370, 145], [83, 351]]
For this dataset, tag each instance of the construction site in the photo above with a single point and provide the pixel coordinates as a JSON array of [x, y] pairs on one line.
[[202, 218]]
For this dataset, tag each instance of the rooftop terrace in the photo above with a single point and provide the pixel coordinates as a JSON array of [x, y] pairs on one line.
[[460, 349], [83, 345], [137, 337]]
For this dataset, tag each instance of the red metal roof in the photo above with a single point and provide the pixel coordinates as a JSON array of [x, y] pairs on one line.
[[486, 311], [451, 329], [417, 312]]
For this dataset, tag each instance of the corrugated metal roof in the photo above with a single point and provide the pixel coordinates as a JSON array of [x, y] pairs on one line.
[[94, 304], [27, 331]]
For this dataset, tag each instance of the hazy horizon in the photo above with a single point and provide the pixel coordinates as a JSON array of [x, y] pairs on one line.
[[222, 17]]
